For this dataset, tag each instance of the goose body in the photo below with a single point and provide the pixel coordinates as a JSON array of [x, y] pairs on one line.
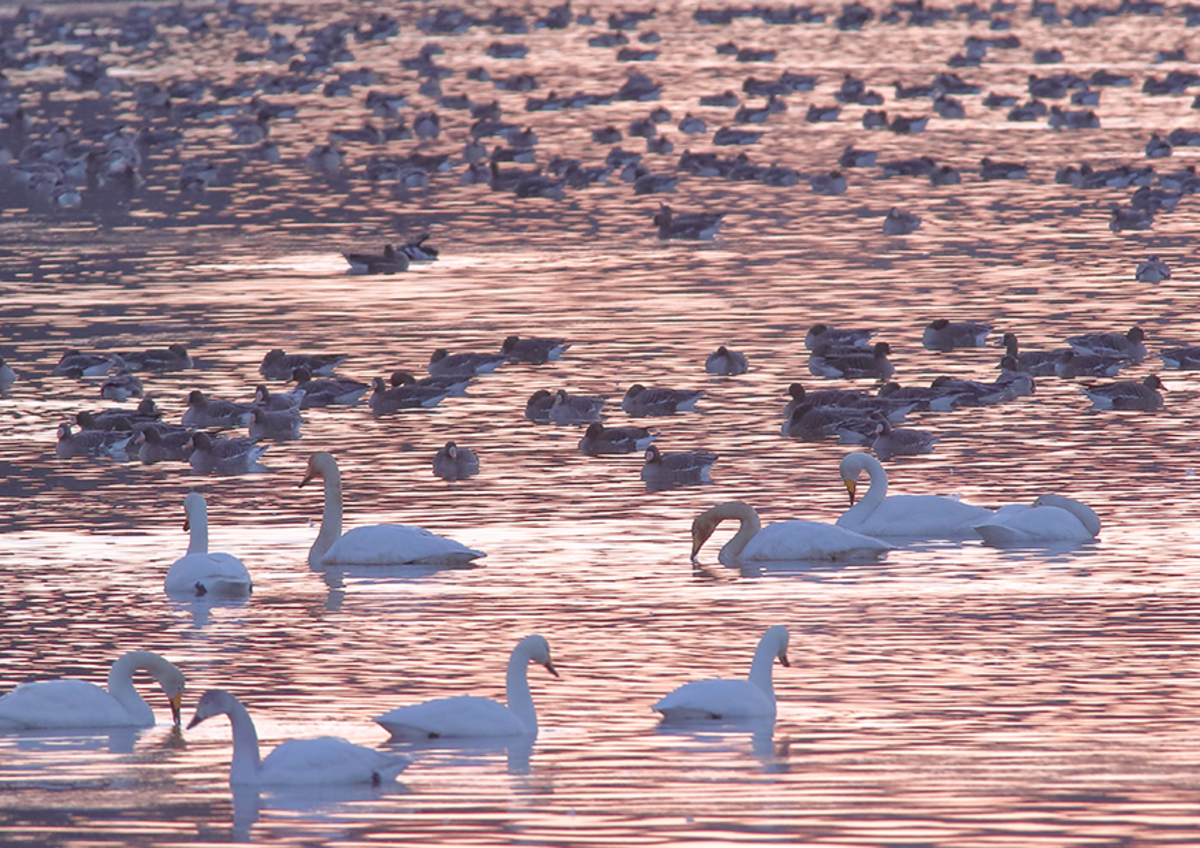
[[472, 716], [535, 351], [377, 544], [823, 334], [121, 386], [902, 441], [204, 411], [201, 573], [76, 364], [727, 362], [1128, 345], [599, 439], [173, 358], [946, 335], [678, 468], [7, 375], [281, 425], [91, 442], [328, 392], [223, 457], [903, 516], [720, 699], [78, 703], [155, 444], [391, 261], [277, 365], [1052, 519], [326, 761], [1181, 358], [852, 364], [385, 401], [455, 463], [783, 541], [641, 401], [1128, 394], [445, 364]]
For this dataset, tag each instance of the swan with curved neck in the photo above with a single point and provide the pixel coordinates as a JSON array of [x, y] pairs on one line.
[[470, 716], [200, 573], [903, 516], [781, 541], [377, 544], [78, 703], [1051, 520], [327, 760], [732, 699]]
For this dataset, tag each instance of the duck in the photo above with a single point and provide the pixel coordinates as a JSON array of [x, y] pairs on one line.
[[472, 716], [199, 573], [280, 425], [277, 365], [1071, 364], [563, 408], [640, 401], [722, 700], [385, 400], [325, 761], [852, 364], [792, 541], [823, 397], [204, 411], [376, 544], [330, 391], [1036, 363], [442, 363], [701, 226], [534, 351], [904, 441], [811, 423], [900, 223], [76, 364], [91, 442], [155, 444], [1152, 270], [823, 334], [264, 398], [391, 261], [1051, 520], [598, 439], [945, 335], [455, 463], [223, 457], [726, 362], [1129, 345], [1128, 394], [449, 385], [121, 386], [902, 516], [68, 702], [172, 358], [678, 468]]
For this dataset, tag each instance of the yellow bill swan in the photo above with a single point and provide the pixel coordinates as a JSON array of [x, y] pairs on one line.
[[781, 541], [376, 544], [200, 573], [722, 699], [1051, 520]]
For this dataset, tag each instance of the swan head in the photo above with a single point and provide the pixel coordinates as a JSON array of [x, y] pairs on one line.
[[194, 508], [851, 466], [213, 702], [169, 677], [538, 650], [320, 464], [702, 529]]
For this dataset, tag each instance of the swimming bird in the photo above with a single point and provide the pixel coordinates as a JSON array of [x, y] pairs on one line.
[[472, 716], [852, 363], [121, 386], [559, 407], [418, 251], [280, 425], [904, 441], [900, 223], [678, 468], [223, 457], [535, 351], [329, 391], [204, 411], [455, 463], [76, 364], [782, 541], [687, 225], [385, 400], [325, 761], [1152, 270], [376, 544], [200, 573], [1051, 520], [902, 516], [264, 398], [1129, 394], [7, 375], [823, 334], [391, 261], [445, 364], [154, 444], [1181, 358], [173, 358], [1071, 364], [945, 335], [727, 362], [640, 401], [1037, 363], [720, 699], [77, 703], [277, 365], [599, 439], [1129, 345]]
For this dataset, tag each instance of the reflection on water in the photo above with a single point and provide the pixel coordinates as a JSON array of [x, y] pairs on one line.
[[949, 695]]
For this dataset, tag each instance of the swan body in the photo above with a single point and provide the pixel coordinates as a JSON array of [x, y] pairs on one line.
[[721, 699], [199, 572], [470, 716], [1052, 519], [903, 516], [781, 541], [78, 703], [377, 544], [326, 761]]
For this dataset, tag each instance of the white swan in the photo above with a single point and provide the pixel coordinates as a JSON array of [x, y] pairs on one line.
[[903, 516], [77, 703], [377, 544], [1052, 519], [783, 540], [199, 572], [732, 699], [467, 715], [327, 760]]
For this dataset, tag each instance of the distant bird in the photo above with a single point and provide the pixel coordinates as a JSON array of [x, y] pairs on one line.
[[7, 375], [223, 457], [533, 350], [1071, 364], [280, 425], [418, 251], [173, 358], [822, 334], [204, 411], [442, 363], [330, 391], [945, 335], [121, 386], [1152, 270], [680, 468], [727, 362], [1129, 345], [870, 363], [277, 365], [905, 441], [91, 442], [900, 223], [385, 400], [559, 407], [76, 364], [686, 225], [612, 440], [1181, 358], [390, 261], [1127, 395], [640, 401], [455, 463], [1037, 363], [156, 445]]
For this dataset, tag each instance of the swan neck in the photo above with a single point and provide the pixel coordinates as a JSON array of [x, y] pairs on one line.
[[246, 763], [520, 701], [198, 522], [748, 527], [760, 668], [120, 686], [876, 491], [331, 518]]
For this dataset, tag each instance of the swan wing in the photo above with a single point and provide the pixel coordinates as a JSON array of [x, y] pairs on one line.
[[62, 703], [212, 573], [1034, 526], [716, 699], [396, 544], [328, 760], [916, 516], [453, 717], [810, 540]]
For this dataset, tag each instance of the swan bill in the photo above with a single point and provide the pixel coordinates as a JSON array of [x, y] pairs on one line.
[[851, 486]]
